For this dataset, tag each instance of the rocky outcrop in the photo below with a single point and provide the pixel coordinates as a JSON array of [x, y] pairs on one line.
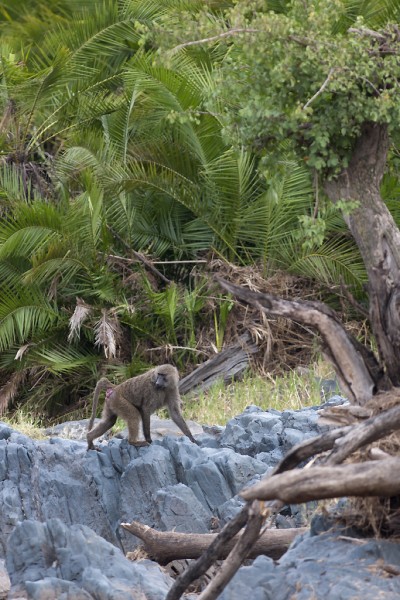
[[54, 562], [62, 507], [170, 484], [323, 565]]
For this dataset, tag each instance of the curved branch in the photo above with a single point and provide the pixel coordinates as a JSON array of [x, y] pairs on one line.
[[355, 370]]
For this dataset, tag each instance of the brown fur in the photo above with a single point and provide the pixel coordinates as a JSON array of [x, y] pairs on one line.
[[137, 398]]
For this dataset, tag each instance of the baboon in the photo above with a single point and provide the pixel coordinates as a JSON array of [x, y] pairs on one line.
[[137, 398]]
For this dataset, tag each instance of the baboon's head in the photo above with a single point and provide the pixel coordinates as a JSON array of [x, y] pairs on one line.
[[165, 376], [161, 381]]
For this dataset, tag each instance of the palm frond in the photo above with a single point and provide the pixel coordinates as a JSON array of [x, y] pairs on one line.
[[22, 316]]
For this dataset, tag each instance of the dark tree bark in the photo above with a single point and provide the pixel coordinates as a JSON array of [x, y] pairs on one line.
[[378, 239]]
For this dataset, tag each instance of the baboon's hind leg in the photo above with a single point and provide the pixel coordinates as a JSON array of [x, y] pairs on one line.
[[107, 421]]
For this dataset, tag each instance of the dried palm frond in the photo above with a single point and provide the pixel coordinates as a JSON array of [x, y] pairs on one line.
[[81, 313], [108, 333], [10, 389]]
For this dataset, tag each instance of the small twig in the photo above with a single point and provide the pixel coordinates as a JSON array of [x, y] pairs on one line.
[[349, 296], [170, 347], [316, 207], [357, 541], [160, 262], [215, 38], [321, 89], [140, 257], [367, 32]]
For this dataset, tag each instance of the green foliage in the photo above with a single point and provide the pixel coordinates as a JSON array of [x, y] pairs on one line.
[[291, 391], [313, 74], [114, 142]]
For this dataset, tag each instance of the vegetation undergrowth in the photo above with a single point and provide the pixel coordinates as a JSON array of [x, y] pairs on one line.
[[25, 424], [292, 390]]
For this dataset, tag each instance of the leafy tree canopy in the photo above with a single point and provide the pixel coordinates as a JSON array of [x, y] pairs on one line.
[[311, 72]]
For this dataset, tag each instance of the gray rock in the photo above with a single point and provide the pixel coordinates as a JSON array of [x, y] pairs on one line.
[[160, 428], [172, 484], [324, 567], [4, 581], [46, 559], [41, 480], [268, 435]]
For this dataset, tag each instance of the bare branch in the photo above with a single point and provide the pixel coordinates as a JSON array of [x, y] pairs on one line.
[[197, 568], [237, 554], [372, 478], [367, 432], [354, 372], [321, 89], [364, 31], [166, 546], [215, 38], [140, 257]]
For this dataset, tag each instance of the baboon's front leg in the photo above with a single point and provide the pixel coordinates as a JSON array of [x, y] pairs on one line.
[[146, 425], [107, 421], [132, 416], [178, 419]]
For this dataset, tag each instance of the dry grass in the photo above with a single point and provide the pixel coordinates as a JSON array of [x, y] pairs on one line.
[[293, 390]]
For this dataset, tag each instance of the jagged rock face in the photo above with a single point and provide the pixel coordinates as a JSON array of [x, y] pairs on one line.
[[170, 484], [328, 566], [62, 506], [53, 561]]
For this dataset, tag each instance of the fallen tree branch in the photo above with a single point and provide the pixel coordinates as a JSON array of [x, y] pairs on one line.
[[310, 447], [371, 478], [357, 372], [345, 440], [237, 555], [367, 432], [166, 546], [197, 568], [228, 364]]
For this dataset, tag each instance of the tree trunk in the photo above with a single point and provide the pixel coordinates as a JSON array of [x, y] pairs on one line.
[[378, 239]]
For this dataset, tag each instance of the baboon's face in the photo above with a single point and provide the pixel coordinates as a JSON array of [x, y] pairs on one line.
[[161, 381]]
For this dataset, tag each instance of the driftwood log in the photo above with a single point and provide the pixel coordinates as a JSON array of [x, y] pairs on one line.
[[166, 546], [371, 478], [227, 365]]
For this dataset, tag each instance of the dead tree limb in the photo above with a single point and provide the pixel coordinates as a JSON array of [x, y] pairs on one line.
[[356, 367], [371, 478], [344, 440], [367, 432], [237, 555], [310, 447], [197, 568], [166, 546], [228, 364]]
